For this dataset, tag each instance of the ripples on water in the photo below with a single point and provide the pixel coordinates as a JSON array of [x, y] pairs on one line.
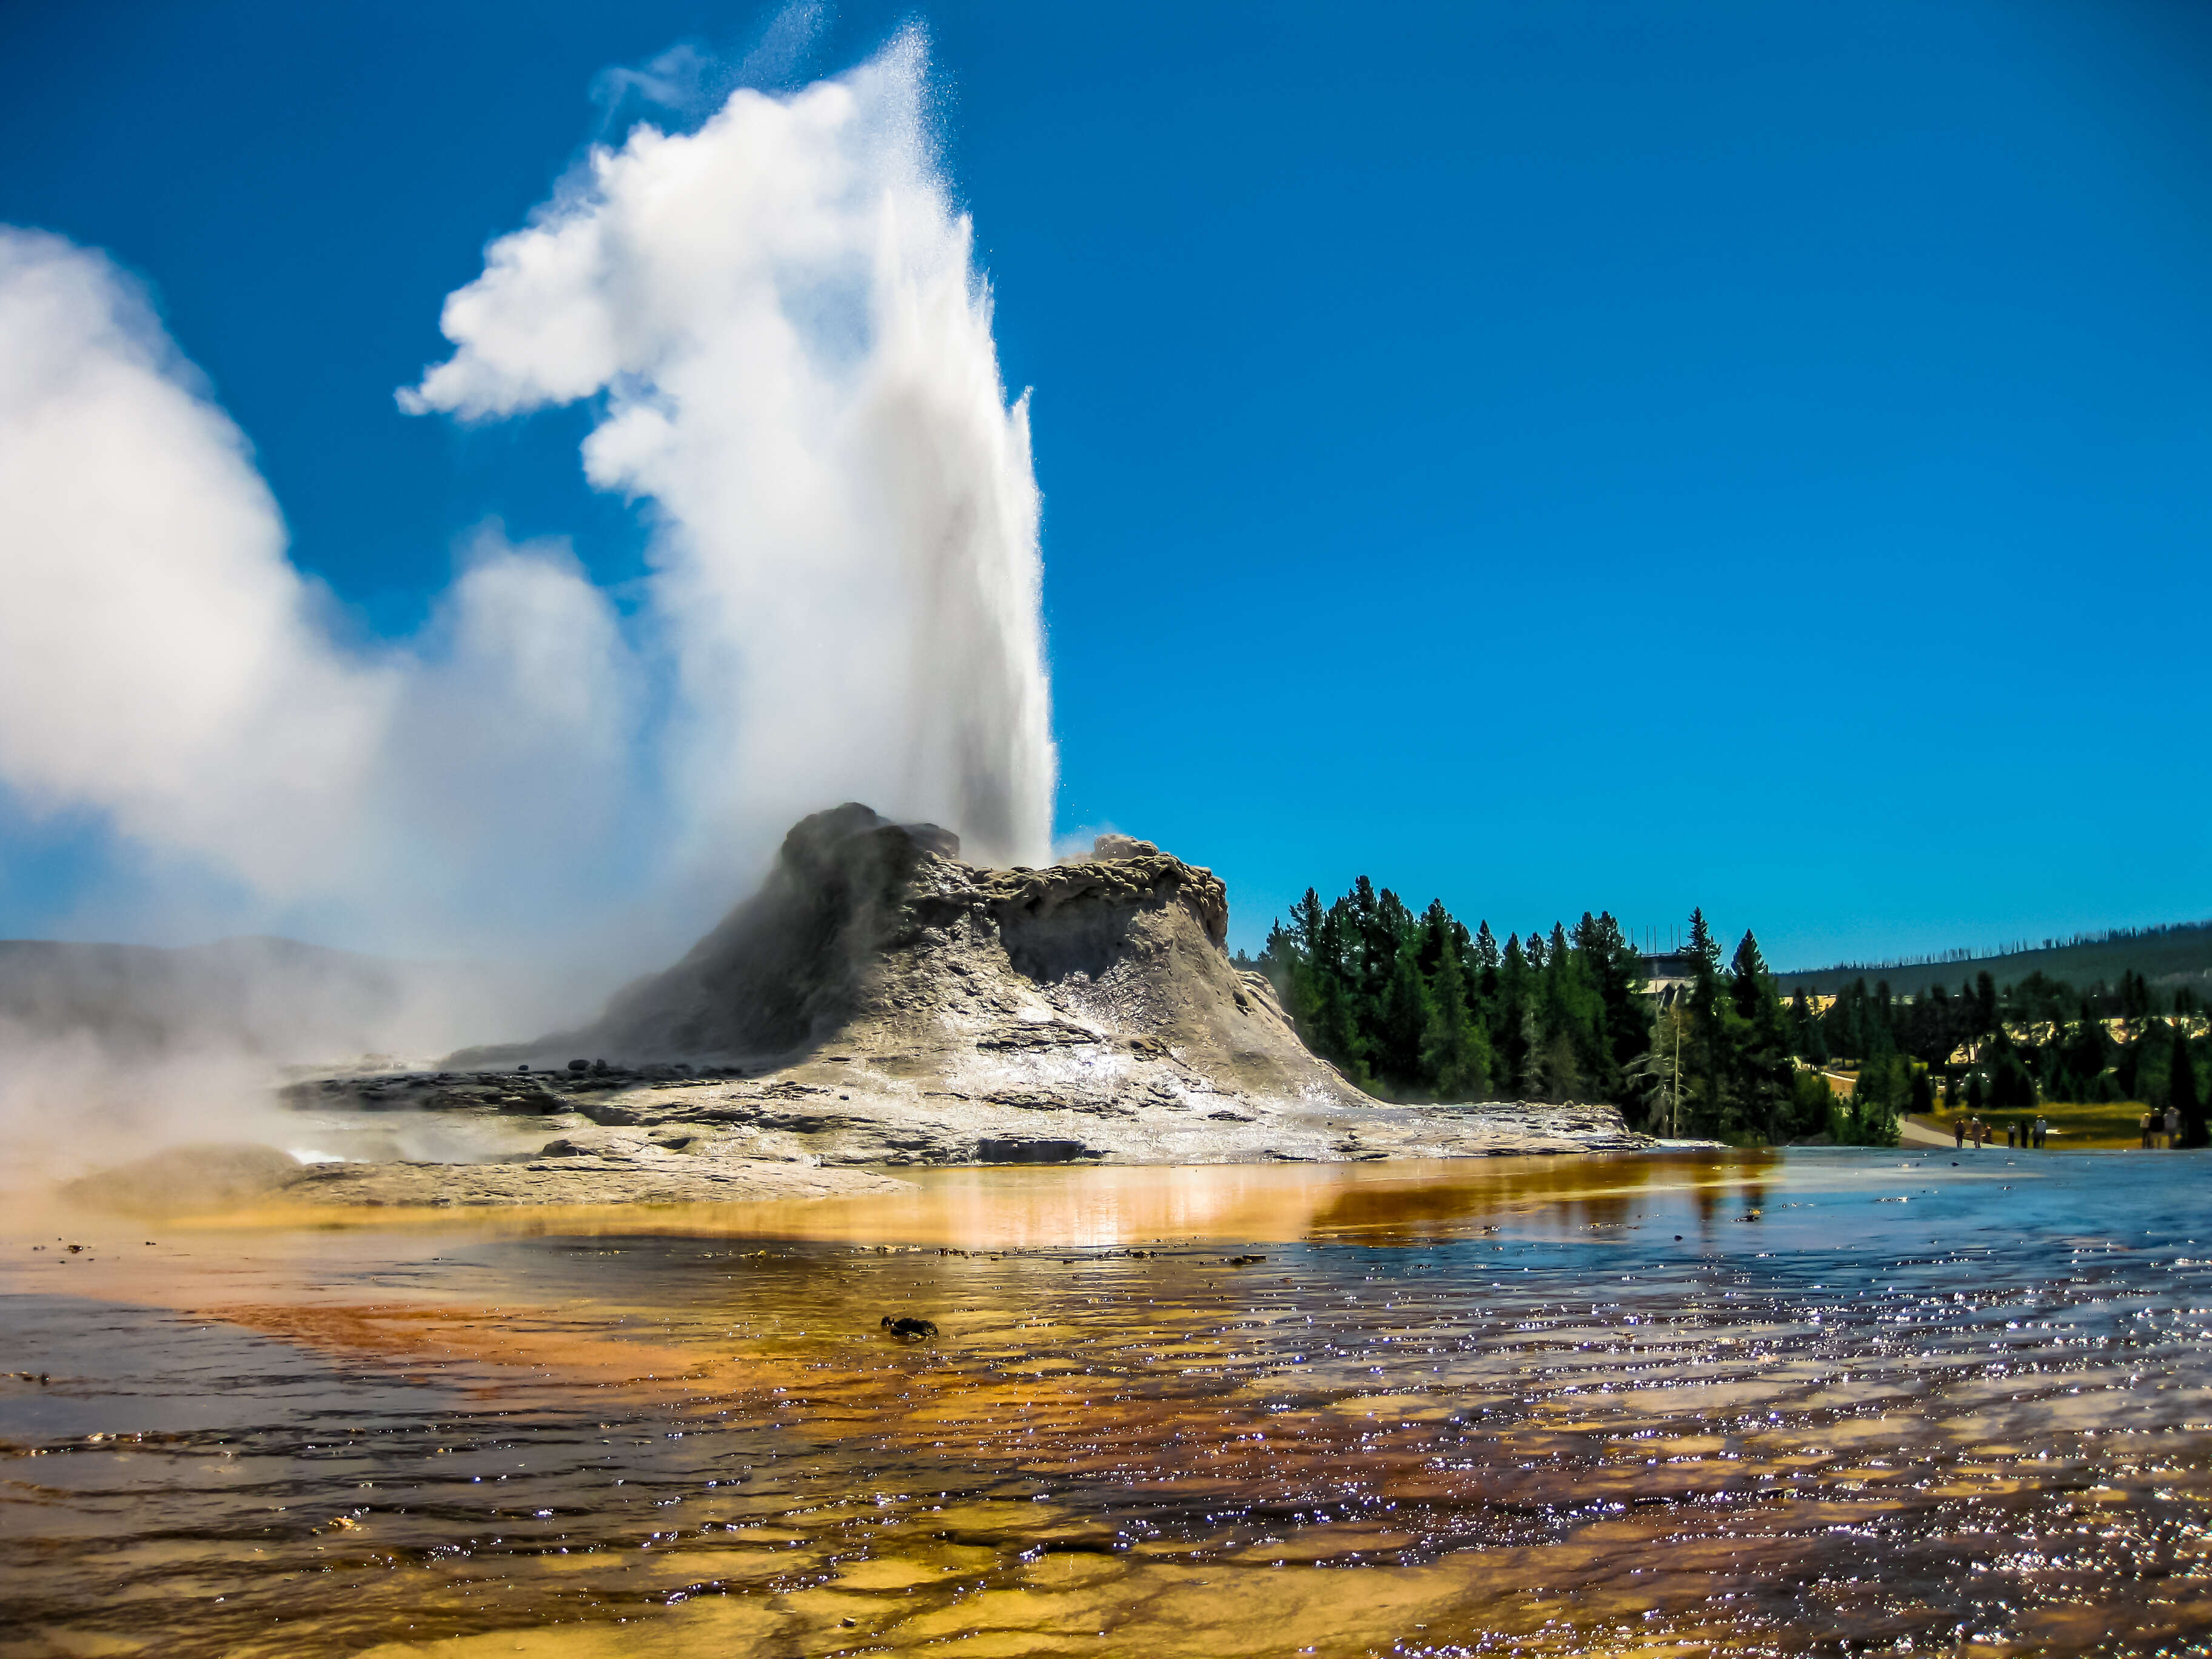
[[1496, 1408]]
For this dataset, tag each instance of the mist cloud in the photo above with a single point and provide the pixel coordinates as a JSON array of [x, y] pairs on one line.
[[777, 325]]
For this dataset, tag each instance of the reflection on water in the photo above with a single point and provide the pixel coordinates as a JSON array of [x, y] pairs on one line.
[[1814, 1403]]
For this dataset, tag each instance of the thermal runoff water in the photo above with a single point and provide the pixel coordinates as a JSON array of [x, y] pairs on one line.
[[1812, 1402]]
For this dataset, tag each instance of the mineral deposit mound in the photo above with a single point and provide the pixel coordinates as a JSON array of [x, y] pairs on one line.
[[1091, 987], [879, 1002]]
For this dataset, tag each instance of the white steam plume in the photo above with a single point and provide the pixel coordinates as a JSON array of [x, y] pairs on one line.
[[781, 312], [790, 353]]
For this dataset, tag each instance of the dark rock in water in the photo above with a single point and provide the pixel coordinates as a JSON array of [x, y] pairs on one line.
[[215, 1177], [913, 1330]]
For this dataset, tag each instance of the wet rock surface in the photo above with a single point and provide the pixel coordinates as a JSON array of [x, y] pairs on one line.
[[880, 1003]]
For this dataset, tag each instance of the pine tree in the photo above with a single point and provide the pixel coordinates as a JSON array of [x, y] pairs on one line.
[[1434, 938], [1883, 1088], [1985, 996], [1653, 1074], [1486, 949], [2011, 1084], [1405, 1024], [1765, 1074], [1703, 944], [1313, 971], [2182, 1091], [1454, 1053], [1812, 1105], [1707, 1095], [1559, 1076], [1611, 967], [1924, 1095], [2135, 996], [1806, 1036], [1512, 1017], [2087, 1053], [1530, 1042], [1572, 1019], [1749, 981]]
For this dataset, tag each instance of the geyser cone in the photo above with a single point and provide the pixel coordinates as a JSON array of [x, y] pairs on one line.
[[1095, 987]]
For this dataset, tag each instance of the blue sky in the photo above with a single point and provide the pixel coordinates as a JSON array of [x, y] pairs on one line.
[[1548, 456]]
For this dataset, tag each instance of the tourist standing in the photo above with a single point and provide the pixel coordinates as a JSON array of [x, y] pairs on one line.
[[1959, 1133], [2042, 1128]]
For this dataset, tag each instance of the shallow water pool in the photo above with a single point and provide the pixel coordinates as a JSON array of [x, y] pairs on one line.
[[1770, 1403]]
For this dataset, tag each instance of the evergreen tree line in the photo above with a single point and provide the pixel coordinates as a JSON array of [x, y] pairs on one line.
[[1412, 1007], [2040, 1040], [1865, 1024], [1415, 1007], [2023, 946]]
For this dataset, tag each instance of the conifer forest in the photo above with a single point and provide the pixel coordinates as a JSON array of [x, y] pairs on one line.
[[1412, 1007]]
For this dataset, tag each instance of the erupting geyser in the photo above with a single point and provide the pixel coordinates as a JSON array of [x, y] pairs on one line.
[[782, 315], [777, 323]]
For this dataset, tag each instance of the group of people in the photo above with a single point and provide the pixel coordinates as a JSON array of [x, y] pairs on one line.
[[2018, 1133], [2160, 1130], [2166, 1123]]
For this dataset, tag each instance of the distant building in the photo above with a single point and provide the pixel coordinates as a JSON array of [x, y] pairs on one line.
[[1668, 976]]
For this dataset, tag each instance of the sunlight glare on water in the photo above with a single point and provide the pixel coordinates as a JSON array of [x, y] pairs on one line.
[[1767, 1403]]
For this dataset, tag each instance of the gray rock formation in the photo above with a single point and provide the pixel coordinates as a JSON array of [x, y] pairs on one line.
[[1088, 987], [880, 1002]]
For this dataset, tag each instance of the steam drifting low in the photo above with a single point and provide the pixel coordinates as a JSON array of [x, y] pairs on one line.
[[778, 324]]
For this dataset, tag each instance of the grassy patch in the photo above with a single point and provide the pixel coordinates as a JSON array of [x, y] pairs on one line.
[[2075, 1126]]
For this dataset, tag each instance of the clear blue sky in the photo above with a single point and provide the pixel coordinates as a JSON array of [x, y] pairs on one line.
[[1548, 456]]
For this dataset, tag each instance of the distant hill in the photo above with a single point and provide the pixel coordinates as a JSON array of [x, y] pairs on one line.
[[2167, 957], [275, 999], [272, 996]]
